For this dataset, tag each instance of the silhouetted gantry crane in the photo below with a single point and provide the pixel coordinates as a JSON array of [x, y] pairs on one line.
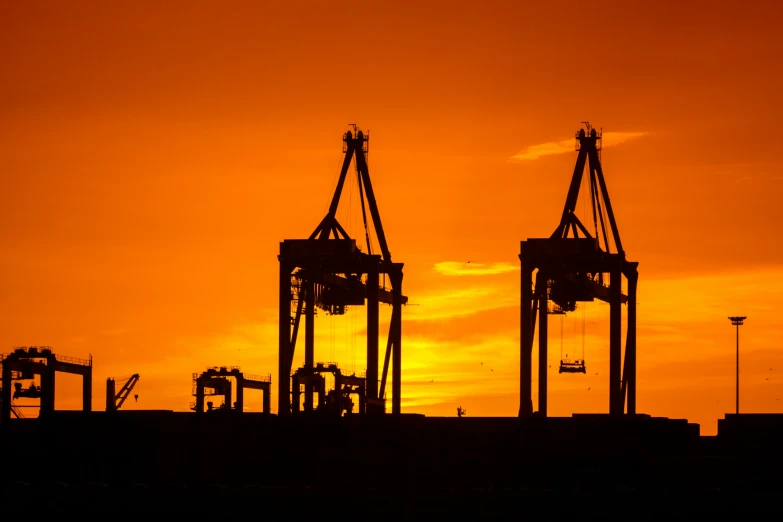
[[216, 381], [25, 362], [330, 272], [573, 269]]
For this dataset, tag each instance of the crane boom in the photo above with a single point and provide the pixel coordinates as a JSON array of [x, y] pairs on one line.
[[126, 389]]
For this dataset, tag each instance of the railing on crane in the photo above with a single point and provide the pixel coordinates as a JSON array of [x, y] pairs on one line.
[[73, 360], [258, 378]]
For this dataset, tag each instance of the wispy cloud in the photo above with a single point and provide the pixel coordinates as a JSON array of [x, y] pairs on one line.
[[609, 139], [455, 268]]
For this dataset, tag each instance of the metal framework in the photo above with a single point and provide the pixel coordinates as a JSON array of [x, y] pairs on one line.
[[215, 381], [573, 269], [26, 362], [336, 401], [330, 272]]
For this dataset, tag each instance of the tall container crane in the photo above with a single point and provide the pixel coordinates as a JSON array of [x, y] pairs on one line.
[[329, 271], [572, 265]]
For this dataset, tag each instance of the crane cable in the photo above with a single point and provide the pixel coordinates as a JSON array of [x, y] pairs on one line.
[[561, 337], [573, 340], [583, 333]]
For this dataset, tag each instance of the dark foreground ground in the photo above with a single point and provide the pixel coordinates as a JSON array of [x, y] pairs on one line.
[[391, 469]]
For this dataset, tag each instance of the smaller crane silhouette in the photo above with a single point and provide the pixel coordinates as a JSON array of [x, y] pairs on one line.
[[460, 411]]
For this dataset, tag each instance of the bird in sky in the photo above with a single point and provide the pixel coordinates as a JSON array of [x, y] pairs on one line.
[[491, 370], [588, 389], [465, 263], [482, 364], [433, 380], [596, 373]]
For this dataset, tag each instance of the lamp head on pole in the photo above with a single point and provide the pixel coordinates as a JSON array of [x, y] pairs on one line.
[[737, 321]]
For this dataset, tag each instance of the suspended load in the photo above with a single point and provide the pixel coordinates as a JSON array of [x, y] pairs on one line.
[[576, 366]]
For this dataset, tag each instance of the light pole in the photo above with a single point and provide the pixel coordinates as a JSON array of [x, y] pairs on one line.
[[737, 321]]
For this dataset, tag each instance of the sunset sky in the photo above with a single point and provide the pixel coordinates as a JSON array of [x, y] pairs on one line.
[[153, 157]]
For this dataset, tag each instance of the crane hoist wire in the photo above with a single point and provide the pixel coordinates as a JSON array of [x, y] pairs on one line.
[[584, 308], [564, 358]]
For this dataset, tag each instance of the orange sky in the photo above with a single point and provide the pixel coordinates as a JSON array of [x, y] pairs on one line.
[[153, 157]]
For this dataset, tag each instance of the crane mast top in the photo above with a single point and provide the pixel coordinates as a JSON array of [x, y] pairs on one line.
[[588, 145], [355, 148]]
